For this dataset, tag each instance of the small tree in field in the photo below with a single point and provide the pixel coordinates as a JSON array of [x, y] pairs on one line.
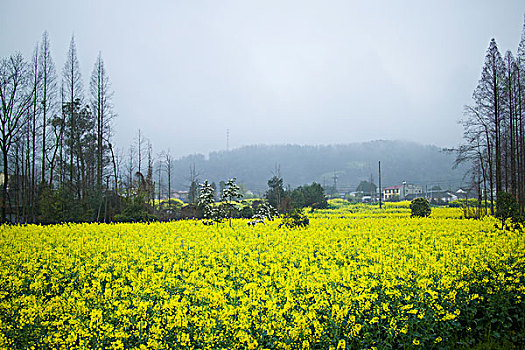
[[206, 201], [265, 211], [295, 219], [230, 194], [420, 208]]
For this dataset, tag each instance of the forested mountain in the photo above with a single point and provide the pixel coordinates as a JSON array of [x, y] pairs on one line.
[[299, 165]]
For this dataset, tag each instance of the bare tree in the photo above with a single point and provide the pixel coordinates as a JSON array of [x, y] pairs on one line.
[[494, 127], [159, 174], [55, 153], [48, 96], [520, 116], [15, 101], [72, 100], [115, 160], [36, 79], [484, 118], [194, 182], [150, 186], [140, 148], [102, 108], [130, 167], [168, 160]]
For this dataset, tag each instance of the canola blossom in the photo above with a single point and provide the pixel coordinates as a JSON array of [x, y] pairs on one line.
[[356, 278]]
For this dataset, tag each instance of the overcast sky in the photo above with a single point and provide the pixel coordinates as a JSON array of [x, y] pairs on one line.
[[305, 72]]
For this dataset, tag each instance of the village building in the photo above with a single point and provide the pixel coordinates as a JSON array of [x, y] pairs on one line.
[[402, 192]]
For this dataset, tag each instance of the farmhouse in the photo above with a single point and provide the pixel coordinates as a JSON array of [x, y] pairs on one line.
[[402, 192]]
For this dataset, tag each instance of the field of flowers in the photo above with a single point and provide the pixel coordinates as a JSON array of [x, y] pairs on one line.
[[356, 278]]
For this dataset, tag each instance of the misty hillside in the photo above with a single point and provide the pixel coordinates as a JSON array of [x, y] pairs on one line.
[[299, 165]]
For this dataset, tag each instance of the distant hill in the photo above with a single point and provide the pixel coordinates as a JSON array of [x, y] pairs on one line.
[[299, 165]]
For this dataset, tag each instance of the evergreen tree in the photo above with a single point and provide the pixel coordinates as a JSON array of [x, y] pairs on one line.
[[275, 193], [230, 194], [206, 202]]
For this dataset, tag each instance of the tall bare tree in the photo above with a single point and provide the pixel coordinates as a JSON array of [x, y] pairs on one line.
[[140, 149], [150, 184], [520, 116], [494, 126], [48, 97], [72, 104], [130, 168], [169, 167], [15, 99], [510, 135], [486, 113], [102, 108], [32, 135]]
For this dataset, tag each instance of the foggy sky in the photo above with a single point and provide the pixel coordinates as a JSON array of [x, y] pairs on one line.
[[305, 72]]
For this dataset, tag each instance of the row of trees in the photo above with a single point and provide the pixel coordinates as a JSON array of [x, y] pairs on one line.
[[277, 200], [58, 161], [494, 128], [55, 139]]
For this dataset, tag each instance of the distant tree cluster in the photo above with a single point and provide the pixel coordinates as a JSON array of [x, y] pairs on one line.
[[494, 128], [58, 162], [276, 201], [286, 200]]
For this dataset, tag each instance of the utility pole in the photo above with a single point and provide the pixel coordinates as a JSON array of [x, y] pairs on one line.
[[335, 182], [380, 191], [370, 188], [227, 140]]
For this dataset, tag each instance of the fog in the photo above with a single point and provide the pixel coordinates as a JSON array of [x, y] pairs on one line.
[[272, 72]]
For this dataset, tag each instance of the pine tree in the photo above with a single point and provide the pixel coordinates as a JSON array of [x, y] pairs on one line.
[[230, 194], [206, 202]]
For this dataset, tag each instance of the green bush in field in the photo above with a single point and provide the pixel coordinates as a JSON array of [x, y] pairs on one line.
[[461, 203], [507, 207], [420, 208], [295, 219]]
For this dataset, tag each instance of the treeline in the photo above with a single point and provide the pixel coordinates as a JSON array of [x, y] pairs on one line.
[[349, 163], [494, 128], [58, 162]]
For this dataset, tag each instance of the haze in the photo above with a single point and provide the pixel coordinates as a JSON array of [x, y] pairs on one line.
[[305, 72]]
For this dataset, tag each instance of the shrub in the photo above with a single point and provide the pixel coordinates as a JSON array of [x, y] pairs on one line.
[[136, 210], [462, 203], [420, 207], [294, 218], [247, 212], [264, 210], [507, 207]]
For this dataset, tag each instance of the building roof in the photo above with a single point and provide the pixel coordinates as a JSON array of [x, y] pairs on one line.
[[440, 194], [393, 187]]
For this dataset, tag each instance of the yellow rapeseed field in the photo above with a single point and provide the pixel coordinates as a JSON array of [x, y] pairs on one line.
[[355, 278]]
